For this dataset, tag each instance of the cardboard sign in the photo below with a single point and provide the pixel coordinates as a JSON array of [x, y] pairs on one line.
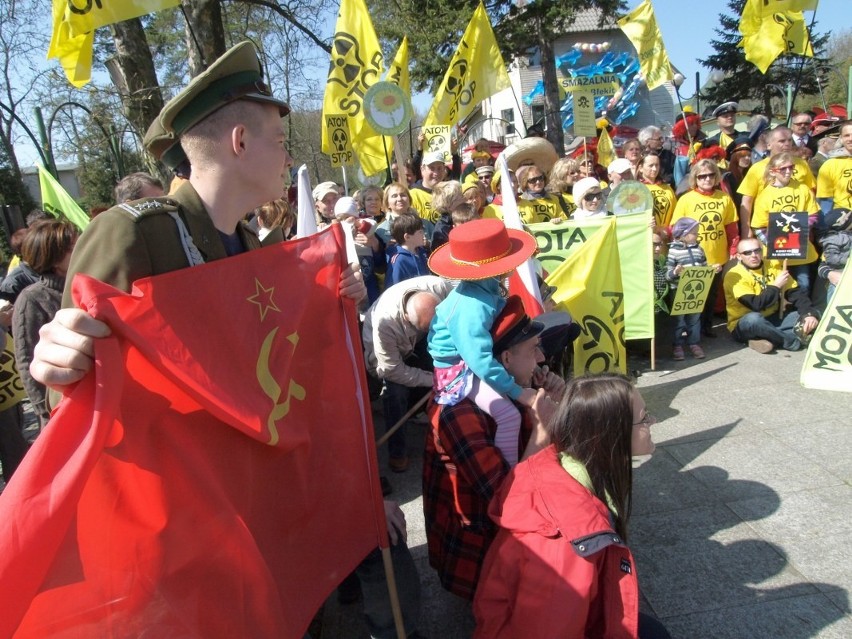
[[584, 113], [787, 236], [342, 153], [605, 84], [438, 140], [692, 290]]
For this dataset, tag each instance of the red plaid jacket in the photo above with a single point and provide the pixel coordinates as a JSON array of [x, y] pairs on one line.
[[462, 469]]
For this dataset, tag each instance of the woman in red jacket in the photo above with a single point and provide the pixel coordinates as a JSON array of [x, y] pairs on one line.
[[559, 566]]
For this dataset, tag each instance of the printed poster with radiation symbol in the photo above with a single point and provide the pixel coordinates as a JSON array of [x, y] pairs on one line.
[[342, 153], [787, 235], [438, 140], [692, 290]]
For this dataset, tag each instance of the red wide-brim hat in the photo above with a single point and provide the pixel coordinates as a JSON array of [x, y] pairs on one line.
[[480, 249]]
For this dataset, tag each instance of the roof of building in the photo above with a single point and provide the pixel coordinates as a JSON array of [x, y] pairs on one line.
[[589, 20]]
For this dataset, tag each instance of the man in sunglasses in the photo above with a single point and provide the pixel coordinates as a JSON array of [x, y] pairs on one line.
[[755, 289]]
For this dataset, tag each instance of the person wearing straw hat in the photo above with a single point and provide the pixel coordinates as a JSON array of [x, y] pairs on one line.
[[479, 253]]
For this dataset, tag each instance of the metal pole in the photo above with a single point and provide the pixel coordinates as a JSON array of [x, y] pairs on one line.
[[849, 94], [45, 143], [698, 95], [789, 96]]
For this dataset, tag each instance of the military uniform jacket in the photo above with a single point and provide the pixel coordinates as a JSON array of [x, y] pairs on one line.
[[149, 237]]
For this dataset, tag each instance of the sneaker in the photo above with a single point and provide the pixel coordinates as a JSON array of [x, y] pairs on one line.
[[762, 346], [697, 351], [799, 331], [677, 354], [398, 464]]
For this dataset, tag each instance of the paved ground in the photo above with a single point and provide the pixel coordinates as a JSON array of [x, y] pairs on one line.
[[742, 519]]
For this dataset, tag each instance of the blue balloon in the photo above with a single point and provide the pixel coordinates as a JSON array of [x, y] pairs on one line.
[[568, 59], [621, 60], [586, 71], [628, 112], [538, 89]]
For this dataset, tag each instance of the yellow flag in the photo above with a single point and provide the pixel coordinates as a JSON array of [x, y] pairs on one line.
[[476, 72], [769, 32], [372, 152], [640, 27], [356, 64], [588, 284], [58, 202], [74, 27], [606, 152], [828, 364]]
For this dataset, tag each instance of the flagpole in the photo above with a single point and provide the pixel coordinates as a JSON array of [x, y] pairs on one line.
[[394, 595], [801, 67]]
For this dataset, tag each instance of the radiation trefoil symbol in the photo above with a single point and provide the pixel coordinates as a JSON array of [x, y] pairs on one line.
[[348, 69], [340, 140], [693, 289]]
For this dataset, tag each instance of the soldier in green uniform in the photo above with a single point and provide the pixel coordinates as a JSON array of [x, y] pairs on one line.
[[227, 127]]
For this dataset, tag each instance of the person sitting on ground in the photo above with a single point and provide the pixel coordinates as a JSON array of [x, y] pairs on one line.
[[836, 244], [462, 466], [136, 186], [754, 290], [410, 259], [683, 252], [560, 565], [48, 250]]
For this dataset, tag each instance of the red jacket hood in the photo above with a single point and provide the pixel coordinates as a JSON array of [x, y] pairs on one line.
[[539, 496]]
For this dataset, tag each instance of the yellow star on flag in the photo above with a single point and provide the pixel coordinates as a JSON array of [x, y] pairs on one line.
[[263, 298]]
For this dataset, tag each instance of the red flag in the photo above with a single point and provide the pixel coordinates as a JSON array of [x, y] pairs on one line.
[[215, 475]]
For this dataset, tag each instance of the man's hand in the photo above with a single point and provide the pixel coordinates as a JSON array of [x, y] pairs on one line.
[[396, 522], [834, 277], [552, 384], [543, 408], [782, 279], [809, 324], [66, 347], [352, 283]]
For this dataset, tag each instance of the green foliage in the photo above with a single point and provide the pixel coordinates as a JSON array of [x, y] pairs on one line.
[[744, 81], [12, 189]]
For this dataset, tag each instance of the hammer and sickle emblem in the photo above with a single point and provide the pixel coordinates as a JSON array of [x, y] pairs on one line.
[[272, 389]]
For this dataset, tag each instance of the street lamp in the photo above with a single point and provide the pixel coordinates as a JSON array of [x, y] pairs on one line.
[[716, 77]]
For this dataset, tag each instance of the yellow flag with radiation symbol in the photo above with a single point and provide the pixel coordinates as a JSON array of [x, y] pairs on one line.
[[588, 285], [606, 151], [74, 25], [476, 72], [640, 27], [769, 31]]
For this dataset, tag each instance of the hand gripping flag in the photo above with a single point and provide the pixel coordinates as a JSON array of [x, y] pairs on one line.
[[476, 72], [640, 27], [215, 475], [74, 25]]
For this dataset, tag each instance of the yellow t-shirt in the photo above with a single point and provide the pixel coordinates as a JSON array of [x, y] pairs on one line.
[[835, 181], [664, 203], [543, 209], [421, 201], [790, 198], [493, 211], [714, 213], [753, 182], [741, 281]]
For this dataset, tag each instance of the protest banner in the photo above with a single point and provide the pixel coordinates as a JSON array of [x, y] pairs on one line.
[[558, 241], [828, 362], [595, 299], [337, 129], [438, 140], [787, 236], [584, 113], [176, 478], [603, 84], [692, 290]]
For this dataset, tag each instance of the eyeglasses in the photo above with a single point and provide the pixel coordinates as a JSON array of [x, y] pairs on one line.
[[706, 176], [648, 420], [785, 169], [750, 252], [588, 197], [537, 178]]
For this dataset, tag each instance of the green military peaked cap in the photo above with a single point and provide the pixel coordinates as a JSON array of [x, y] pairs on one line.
[[237, 75]]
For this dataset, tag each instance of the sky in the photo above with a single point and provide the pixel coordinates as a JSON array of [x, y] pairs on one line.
[[687, 27]]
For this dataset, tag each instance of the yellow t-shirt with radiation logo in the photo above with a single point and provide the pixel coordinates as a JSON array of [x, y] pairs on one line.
[[835, 181], [421, 201], [714, 213], [664, 203], [790, 198], [543, 209]]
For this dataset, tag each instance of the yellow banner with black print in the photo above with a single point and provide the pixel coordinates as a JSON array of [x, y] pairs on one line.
[[828, 364]]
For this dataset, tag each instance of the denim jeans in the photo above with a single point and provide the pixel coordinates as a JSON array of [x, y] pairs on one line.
[[691, 323], [374, 587], [397, 399], [802, 275], [778, 331]]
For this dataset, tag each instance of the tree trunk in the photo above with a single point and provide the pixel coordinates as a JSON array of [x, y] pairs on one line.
[[136, 79], [767, 103], [551, 91], [205, 34]]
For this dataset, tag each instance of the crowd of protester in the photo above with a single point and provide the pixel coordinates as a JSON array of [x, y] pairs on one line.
[[513, 453]]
